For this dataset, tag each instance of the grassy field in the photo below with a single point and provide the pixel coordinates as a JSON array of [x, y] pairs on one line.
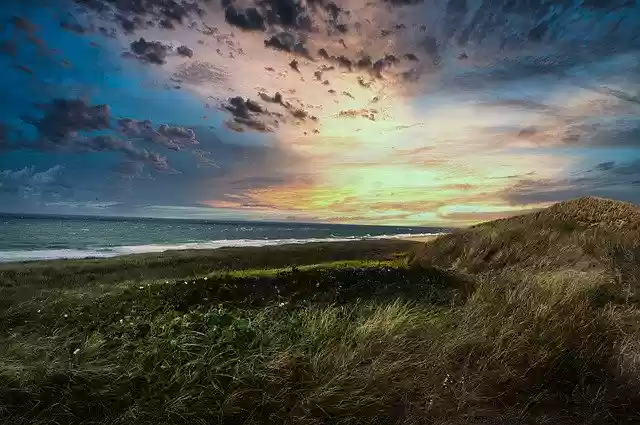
[[531, 320]]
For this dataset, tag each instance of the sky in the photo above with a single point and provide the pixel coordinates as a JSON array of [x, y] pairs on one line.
[[399, 112]]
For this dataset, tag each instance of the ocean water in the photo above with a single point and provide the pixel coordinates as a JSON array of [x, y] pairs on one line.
[[39, 238]]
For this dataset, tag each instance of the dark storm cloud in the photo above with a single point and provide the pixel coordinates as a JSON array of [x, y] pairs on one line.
[[150, 51], [63, 118], [290, 14], [67, 125]]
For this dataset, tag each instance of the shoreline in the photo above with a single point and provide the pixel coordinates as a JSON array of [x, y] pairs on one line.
[[24, 256], [198, 262]]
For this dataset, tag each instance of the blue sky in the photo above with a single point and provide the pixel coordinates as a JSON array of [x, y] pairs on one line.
[[467, 110]]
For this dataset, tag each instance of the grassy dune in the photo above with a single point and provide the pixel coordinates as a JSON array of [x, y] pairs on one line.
[[534, 320]]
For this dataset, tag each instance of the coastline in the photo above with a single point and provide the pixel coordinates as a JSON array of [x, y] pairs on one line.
[[20, 256], [198, 262]]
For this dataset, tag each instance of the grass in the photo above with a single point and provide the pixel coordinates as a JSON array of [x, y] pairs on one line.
[[370, 339]]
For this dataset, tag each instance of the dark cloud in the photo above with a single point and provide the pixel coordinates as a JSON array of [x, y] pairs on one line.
[[249, 19], [296, 112], [67, 126], [242, 108], [287, 42], [63, 118], [150, 51], [135, 14], [171, 137], [184, 51], [299, 15], [276, 98], [248, 114]]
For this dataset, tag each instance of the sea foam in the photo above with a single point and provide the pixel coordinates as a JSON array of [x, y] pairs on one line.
[[106, 252]]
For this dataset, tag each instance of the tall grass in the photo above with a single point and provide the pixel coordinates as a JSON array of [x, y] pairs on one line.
[[543, 348], [528, 325]]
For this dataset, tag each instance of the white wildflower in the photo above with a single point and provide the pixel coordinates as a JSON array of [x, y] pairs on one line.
[[65, 315], [121, 321], [281, 304], [206, 278], [141, 287], [39, 311], [76, 351]]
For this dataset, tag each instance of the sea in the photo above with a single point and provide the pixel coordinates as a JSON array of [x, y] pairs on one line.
[[24, 238]]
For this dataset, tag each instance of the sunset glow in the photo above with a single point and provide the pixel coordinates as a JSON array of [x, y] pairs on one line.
[[446, 124]]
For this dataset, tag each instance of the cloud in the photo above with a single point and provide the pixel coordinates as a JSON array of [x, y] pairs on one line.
[[150, 51], [70, 125], [171, 137], [466, 82], [607, 179], [248, 114], [111, 143], [130, 169], [248, 19], [28, 182], [133, 15], [63, 118], [199, 73], [184, 51], [370, 114], [287, 42]]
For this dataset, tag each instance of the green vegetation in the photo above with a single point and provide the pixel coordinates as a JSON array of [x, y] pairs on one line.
[[509, 322]]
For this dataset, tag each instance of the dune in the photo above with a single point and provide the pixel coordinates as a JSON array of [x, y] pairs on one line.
[[581, 234]]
